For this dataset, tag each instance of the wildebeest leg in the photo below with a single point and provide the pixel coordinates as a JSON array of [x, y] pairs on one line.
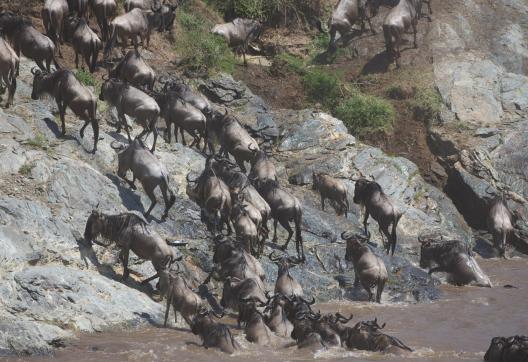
[[356, 279], [167, 309], [285, 224], [365, 225], [379, 291], [62, 111], [369, 291], [346, 206], [275, 222], [414, 23], [155, 135], [123, 255], [165, 191], [240, 163], [371, 27], [17, 51], [81, 132], [322, 202], [149, 190], [76, 60], [331, 44], [182, 137], [175, 313], [40, 65], [384, 230]]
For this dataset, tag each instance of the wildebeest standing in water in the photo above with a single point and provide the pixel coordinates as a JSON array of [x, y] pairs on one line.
[[369, 269], [453, 257], [27, 40], [104, 10], [133, 102], [214, 334], [286, 284], [239, 33], [130, 231], [370, 194], [148, 170], [53, 15], [68, 92], [347, 13], [507, 349], [404, 15], [499, 223], [9, 63], [84, 41]]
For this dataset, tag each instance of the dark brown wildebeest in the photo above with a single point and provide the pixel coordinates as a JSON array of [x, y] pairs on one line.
[[377, 203], [246, 229], [27, 40], [239, 33], [134, 70], [510, 349], [397, 22], [286, 284], [367, 336], [104, 11], [236, 290], [500, 223], [369, 269], [186, 93], [277, 320], [53, 15], [262, 168], [284, 208], [78, 6], [148, 170], [255, 328], [130, 231], [9, 63], [333, 189], [84, 41], [133, 102], [213, 334], [453, 257], [68, 92], [347, 13]]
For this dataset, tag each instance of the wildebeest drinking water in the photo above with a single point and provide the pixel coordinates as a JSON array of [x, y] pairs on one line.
[[377, 203], [130, 231], [68, 92], [145, 167]]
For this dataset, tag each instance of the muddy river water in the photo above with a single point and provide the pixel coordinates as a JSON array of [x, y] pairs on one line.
[[456, 327]]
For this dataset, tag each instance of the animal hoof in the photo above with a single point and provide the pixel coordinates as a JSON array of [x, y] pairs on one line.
[[283, 247]]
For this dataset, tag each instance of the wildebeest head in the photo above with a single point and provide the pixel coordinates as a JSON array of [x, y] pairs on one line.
[[94, 225], [38, 84], [364, 189], [355, 244], [284, 262], [496, 349]]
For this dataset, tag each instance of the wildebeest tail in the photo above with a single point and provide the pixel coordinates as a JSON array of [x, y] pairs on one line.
[[94, 50], [110, 42], [298, 222]]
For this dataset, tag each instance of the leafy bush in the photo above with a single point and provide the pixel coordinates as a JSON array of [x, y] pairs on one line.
[[364, 114], [85, 78], [426, 104], [200, 49], [322, 87]]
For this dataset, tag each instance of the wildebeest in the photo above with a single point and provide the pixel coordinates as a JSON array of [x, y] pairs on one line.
[[453, 257], [84, 41], [213, 334], [262, 168], [148, 170], [286, 284], [369, 269], [78, 6], [233, 138], [255, 328], [396, 23], [243, 218], [277, 320], [131, 25], [68, 92], [104, 11], [333, 189], [53, 15], [213, 197], [168, 15], [133, 102], [499, 223], [507, 349], [186, 93], [134, 70], [179, 295], [9, 63], [377, 203], [27, 40], [139, 4], [236, 290], [184, 116], [347, 13], [130, 231], [239, 33], [367, 336], [284, 208]]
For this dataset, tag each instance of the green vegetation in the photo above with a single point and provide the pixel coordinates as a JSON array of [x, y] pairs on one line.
[[26, 168], [426, 104], [200, 50], [86, 78], [39, 141], [322, 87]]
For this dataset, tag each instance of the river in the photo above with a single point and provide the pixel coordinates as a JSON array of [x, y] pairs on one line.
[[459, 326]]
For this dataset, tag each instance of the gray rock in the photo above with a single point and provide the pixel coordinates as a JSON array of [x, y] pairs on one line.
[[486, 132]]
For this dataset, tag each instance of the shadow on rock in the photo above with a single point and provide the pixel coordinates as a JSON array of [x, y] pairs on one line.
[[377, 64], [130, 199]]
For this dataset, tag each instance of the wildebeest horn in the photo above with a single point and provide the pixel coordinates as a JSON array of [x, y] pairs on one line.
[[35, 70], [315, 316], [294, 260], [105, 77], [189, 180], [252, 149], [300, 315], [272, 258], [489, 193], [343, 235], [309, 303], [219, 316], [119, 147], [203, 312], [341, 318]]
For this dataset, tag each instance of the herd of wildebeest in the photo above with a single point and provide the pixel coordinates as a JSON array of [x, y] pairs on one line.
[[229, 196]]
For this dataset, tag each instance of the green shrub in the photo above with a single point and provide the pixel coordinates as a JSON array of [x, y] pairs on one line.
[[363, 114], [26, 168], [322, 87], [199, 48], [85, 78], [427, 104], [291, 62], [39, 141]]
